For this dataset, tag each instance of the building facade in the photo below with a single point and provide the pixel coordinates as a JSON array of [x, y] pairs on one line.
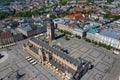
[[73, 31], [50, 30], [30, 30], [107, 36], [8, 37], [68, 65]]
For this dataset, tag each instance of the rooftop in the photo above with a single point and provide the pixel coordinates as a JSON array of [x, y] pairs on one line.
[[111, 33], [25, 27], [58, 53], [81, 17]]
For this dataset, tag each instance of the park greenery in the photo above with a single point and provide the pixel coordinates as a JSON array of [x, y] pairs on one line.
[[3, 15], [109, 1], [116, 17], [30, 13], [108, 47], [63, 2], [67, 34]]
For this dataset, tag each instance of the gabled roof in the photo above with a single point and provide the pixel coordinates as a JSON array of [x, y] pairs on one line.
[[56, 52]]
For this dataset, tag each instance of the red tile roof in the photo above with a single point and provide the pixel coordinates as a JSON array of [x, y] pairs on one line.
[[80, 17]]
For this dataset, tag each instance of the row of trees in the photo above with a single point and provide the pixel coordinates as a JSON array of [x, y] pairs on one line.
[[98, 43], [23, 14], [63, 2], [29, 13], [87, 40], [65, 32], [77, 36], [112, 16], [66, 37]]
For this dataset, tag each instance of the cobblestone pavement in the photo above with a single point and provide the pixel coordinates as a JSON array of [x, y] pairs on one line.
[[106, 64], [16, 63]]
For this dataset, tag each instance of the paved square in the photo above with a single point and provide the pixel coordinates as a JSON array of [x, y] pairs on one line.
[[98, 77], [103, 61], [89, 59], [83, 49], [102, 67], [108, 59], [106, 65], [17, 65], [95, 54]]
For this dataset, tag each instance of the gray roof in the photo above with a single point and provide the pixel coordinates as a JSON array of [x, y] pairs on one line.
[[113, 33], [25, 27], [58, 53], [34, 50]]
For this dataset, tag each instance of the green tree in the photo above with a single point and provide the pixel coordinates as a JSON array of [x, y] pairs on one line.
[[89, 1], [95, 42], [112, 16], [3, 15], [109, 1], [66, 37], [87, 40], [77, 36], [63, 2]]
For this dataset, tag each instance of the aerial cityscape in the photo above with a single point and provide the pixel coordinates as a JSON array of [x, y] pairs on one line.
[[59, 39]]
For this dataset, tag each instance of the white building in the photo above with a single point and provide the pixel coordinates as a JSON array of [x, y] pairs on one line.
[[100, 1], [69, 25], [110, 37]]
